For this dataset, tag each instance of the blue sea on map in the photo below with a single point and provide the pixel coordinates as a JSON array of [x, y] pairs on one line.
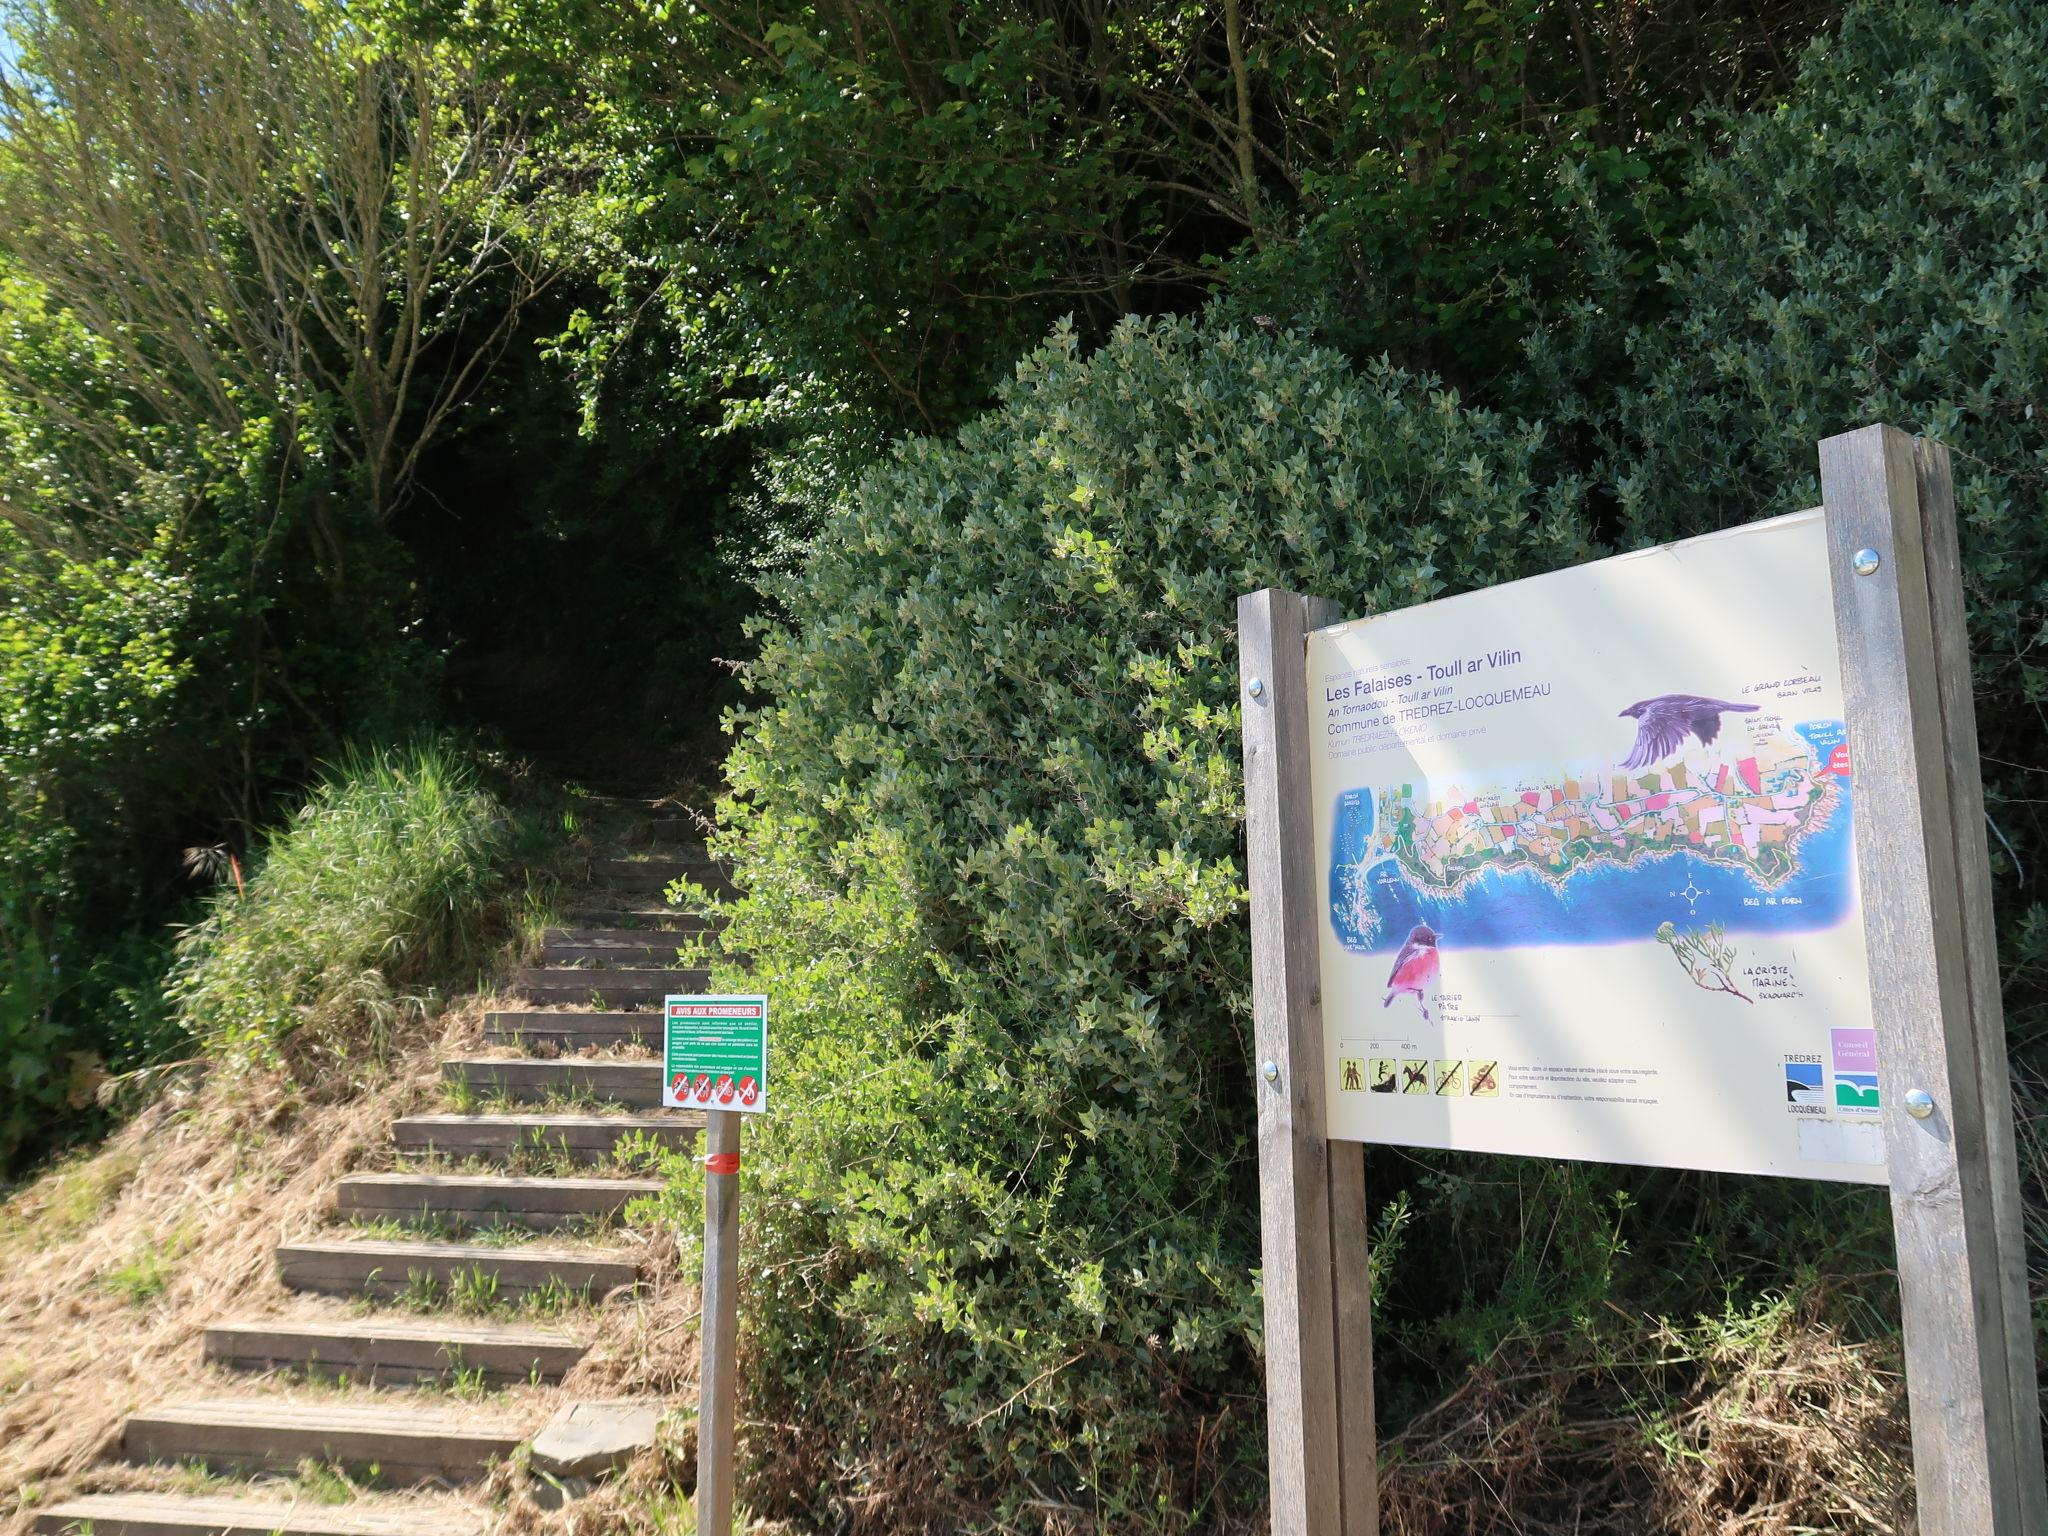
[[1601, 903]]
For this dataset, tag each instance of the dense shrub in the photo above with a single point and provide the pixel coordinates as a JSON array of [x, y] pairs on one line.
[[1006, 1243], [382, 886]]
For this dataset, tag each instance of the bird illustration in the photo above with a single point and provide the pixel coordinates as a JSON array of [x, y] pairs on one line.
[[1415, 969], [1662, 724]]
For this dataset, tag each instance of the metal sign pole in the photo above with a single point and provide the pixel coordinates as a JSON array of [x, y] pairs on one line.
[[718, 1366], [1926, 885]]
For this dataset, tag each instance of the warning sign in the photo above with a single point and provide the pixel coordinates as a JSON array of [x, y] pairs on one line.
[[715, 1053]]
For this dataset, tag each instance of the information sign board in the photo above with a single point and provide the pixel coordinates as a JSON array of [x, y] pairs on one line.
[[715, 1053], [1585, 848], [1676, 859]]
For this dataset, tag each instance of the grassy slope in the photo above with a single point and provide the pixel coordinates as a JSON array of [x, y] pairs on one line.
[[112, 1263]]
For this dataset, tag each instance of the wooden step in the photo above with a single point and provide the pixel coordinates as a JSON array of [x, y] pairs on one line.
[[681, 835], [641, 956], [481, 1199], [645, 876], [584, 1138], [600, 937], [168, 1514], [528, 1080], [565, 1031], [596, 910], [615, 989], [372, 1350], [385, 1269], [405, 1443]]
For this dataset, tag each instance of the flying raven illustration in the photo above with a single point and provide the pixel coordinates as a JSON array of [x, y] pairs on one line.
[[1662, 724]]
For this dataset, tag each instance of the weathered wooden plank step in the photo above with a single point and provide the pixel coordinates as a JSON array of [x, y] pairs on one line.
[[598, 910], [385, 1351], [482, 1199], [606, 938], [641, 956], [614, 988], [528, 1080], [405, 1443], [167, 1514], [569, 1031], [584, 1138], [385, 1269], [683, 835], [642, 876]]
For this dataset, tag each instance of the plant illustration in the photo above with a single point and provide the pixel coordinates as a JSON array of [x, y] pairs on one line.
[[1706, 954]]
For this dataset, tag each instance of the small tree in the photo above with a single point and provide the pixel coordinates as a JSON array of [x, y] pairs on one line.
[[261, 210]]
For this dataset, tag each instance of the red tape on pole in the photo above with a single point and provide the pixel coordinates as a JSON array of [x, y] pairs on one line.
[[722, 1162]]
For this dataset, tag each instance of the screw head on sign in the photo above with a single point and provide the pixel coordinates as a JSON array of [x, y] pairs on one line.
[[1919, 1103], [1256, 687], [1866, 562], [1270, 1071]]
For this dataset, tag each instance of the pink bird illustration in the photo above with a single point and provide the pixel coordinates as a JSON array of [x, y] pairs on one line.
[[1415, 969]]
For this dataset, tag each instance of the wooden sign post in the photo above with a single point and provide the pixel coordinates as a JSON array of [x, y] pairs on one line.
[[1923, 879], [1926, 880], [1319, 1411]]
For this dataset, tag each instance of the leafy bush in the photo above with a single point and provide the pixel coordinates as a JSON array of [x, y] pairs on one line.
[[90, 677], [382, 885], [990, 817]]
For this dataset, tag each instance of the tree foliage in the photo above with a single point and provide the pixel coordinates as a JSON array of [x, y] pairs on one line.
[[873, 208], [243, 289], [295, 232]]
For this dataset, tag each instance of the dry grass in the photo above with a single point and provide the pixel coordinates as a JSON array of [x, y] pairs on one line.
[[112, 1264], [1781, 1428]]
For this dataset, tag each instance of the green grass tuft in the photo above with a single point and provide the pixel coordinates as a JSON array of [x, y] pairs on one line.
[[383, 888]]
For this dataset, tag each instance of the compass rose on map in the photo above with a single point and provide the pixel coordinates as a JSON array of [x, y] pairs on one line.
[[1692, 894]]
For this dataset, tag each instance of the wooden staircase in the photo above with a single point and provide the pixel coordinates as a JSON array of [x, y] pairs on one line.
[[501, 1204]]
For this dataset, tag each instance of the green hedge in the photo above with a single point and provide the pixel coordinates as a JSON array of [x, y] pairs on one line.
[[1005, 1239], [1877, 251]]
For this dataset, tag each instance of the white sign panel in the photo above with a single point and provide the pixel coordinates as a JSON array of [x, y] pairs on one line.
[[1590, 887]]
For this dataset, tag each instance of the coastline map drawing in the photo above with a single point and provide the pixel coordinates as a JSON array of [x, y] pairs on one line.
[[1593, 855], [1585, 849]]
